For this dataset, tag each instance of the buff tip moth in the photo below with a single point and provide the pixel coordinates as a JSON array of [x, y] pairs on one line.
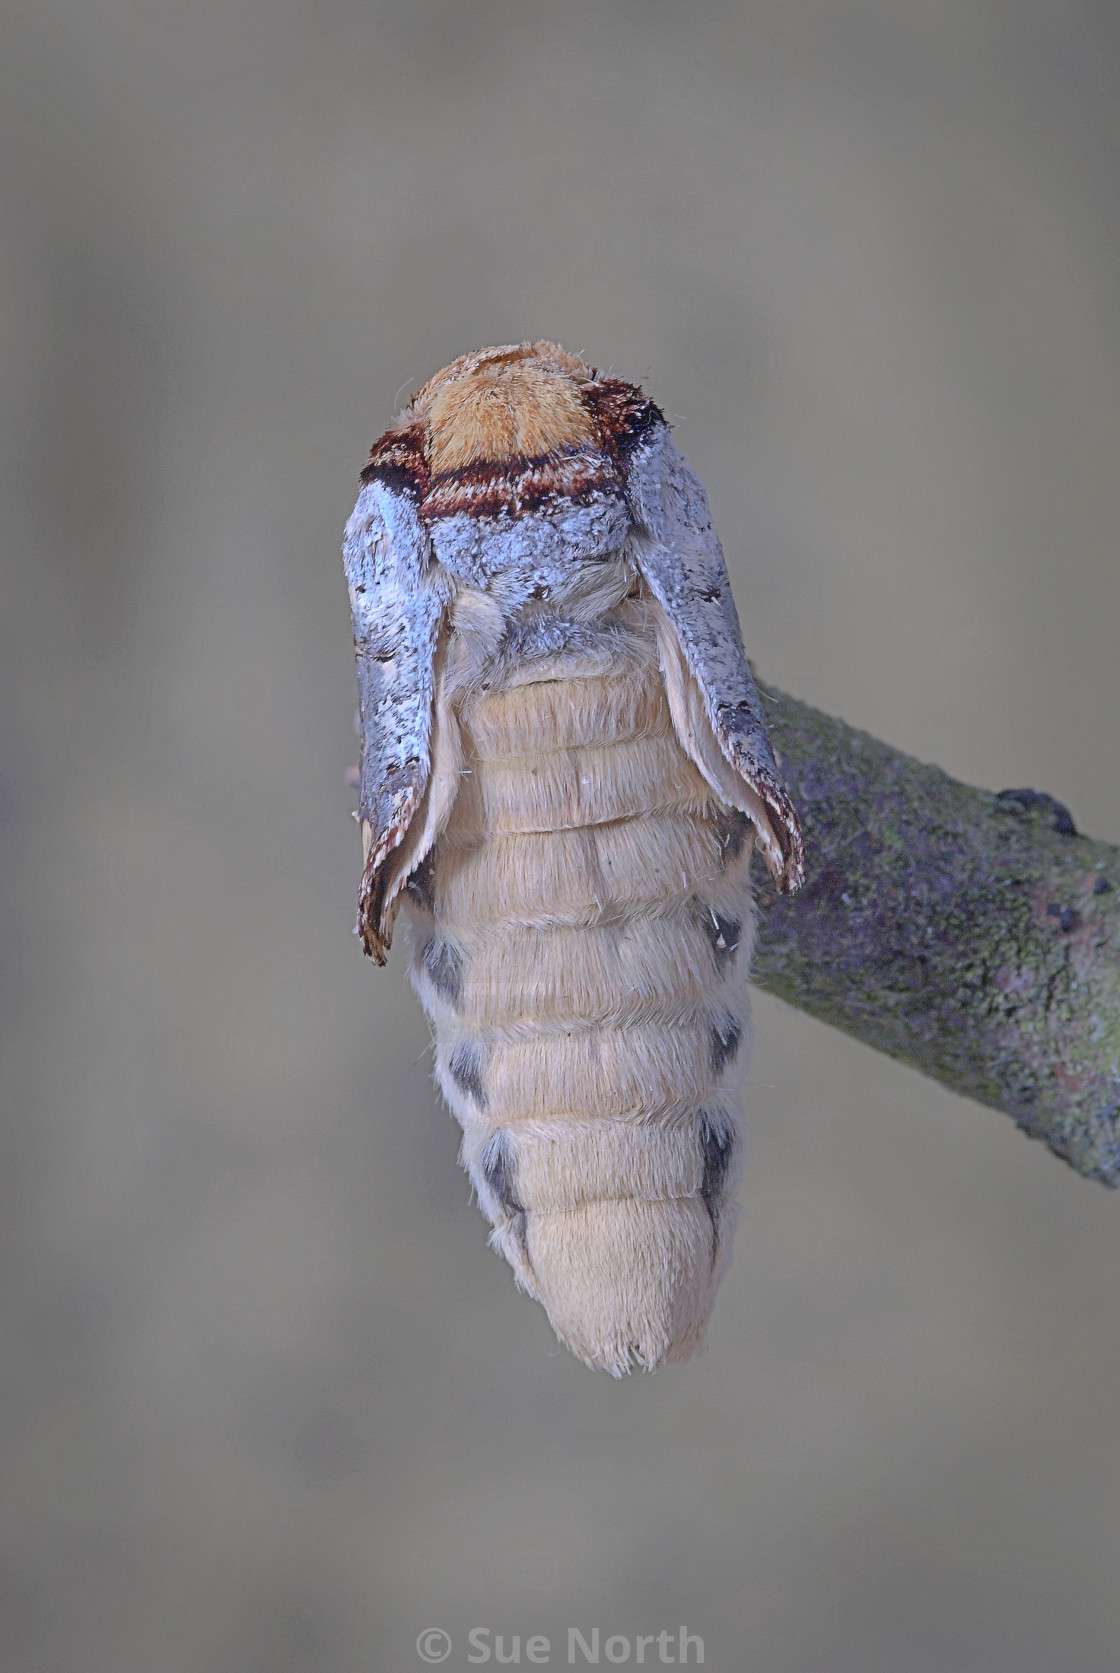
[[565, 767]]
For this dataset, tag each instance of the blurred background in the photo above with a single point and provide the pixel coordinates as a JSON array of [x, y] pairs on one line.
[[268, 1402]]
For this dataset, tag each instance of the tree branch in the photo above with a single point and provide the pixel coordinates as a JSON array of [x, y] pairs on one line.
[[974, 936]]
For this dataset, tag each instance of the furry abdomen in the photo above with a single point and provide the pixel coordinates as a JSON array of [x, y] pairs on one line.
[[582, 943]]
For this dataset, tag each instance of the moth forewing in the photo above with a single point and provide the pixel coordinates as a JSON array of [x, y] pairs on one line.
[[397, 605], [563, 759], [680, 557]]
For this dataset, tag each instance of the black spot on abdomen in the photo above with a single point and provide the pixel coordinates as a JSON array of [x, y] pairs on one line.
[[466, 1070], [498, 1169], [716, 1145], [421, 885], [734, 830], [443, 964]]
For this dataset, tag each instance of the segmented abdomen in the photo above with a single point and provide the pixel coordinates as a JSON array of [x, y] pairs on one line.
[[582, 942]]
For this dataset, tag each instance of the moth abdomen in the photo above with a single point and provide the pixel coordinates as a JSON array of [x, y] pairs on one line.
[[586, 974]]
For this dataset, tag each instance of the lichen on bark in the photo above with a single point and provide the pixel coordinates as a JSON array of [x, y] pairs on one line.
[[973, 935]]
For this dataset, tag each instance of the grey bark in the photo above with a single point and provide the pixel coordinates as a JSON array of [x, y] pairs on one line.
[[973, 935]]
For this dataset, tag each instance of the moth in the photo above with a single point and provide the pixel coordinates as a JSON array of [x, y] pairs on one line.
[[565, 767]]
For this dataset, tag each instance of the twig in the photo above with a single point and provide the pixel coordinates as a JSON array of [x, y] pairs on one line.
[[972, 935]]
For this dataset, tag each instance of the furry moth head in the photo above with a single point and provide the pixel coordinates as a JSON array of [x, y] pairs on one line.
[[564, 763]]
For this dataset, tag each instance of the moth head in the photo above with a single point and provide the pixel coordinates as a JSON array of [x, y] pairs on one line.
[[520, 401]]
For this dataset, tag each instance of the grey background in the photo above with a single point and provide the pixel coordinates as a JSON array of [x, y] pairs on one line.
[[268, 1403]]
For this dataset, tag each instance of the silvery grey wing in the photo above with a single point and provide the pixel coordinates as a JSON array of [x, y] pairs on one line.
[[397, 609], [711, 690]]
